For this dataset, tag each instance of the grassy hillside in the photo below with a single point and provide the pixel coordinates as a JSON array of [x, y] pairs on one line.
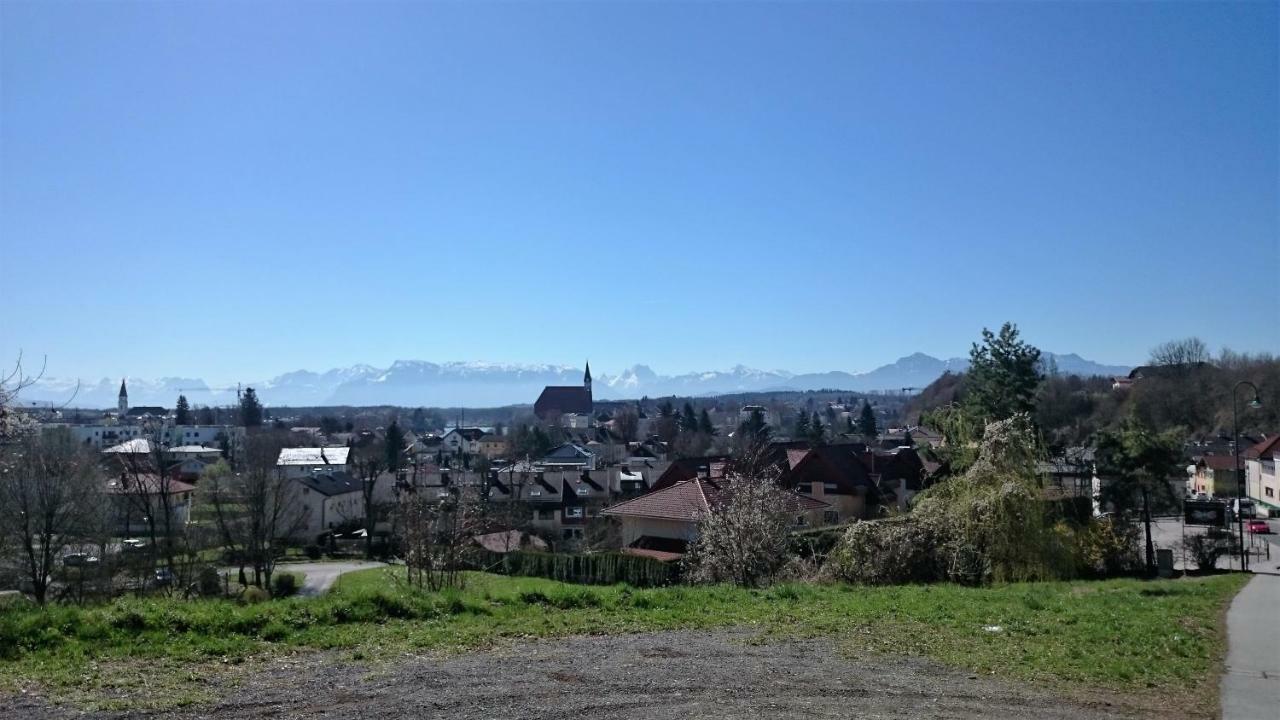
[[1159, 638]]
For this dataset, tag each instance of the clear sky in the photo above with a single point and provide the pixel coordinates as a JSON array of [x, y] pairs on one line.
[[234, 190]]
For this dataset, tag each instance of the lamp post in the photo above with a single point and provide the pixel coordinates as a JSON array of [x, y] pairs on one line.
[[1240, 481]]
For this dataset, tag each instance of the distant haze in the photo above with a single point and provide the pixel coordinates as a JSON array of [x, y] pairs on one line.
[[414, 383]]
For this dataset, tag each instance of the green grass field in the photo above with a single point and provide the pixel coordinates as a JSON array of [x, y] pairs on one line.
[[1125, 636]]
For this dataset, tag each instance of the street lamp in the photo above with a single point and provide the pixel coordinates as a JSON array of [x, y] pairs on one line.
[[1240, 483]]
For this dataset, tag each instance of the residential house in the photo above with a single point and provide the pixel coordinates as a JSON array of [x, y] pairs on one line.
[[493, 446], [462, 440], [663, 523], [1215, 475], [323, 502], [138, 499], [1261, 477]]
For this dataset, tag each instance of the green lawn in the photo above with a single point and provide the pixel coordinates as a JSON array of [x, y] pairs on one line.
[[1127, 636]]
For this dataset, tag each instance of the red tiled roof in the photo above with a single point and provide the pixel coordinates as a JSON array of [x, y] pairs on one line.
[[1266, 448], [685, 500], [1219, 462]]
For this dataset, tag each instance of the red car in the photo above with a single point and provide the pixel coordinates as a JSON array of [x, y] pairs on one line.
[[1259, 527]]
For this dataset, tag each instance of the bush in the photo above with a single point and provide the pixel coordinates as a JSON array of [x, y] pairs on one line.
[[284, 585], [1207, 549], [253, 594], [989, 524], [208, 582], [890, 552], [1106, 548], [313, 551]]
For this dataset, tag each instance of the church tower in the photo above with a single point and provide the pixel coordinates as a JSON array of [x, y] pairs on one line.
[[586, 379], [122, 403]]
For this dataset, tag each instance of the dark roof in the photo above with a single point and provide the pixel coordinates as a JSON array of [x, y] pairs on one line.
[[712, 466], [688, 500], [146, 410], [330, 484], [563, 399], [840, 465], [469, 434]]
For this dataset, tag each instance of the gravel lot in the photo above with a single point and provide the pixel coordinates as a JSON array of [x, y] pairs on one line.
[[718, 674]]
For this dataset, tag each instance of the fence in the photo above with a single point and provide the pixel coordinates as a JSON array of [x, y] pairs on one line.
[[593, 569]]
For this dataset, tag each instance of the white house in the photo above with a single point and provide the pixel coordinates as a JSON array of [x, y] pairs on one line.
[[324, 501], [1261, 479], [465, 440]]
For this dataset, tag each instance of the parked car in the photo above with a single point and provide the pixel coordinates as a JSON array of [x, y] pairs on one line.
[[79, 559], [133, 544], [164, 577], [1259, 527]]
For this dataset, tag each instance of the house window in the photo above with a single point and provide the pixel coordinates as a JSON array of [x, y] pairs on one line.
[[573, 512], [801, 521], [805, 488], [830, 517], [1271, 492], [546, 514], [828, 487], [571, 533]]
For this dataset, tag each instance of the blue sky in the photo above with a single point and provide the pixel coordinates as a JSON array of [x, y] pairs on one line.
[[235, 190]]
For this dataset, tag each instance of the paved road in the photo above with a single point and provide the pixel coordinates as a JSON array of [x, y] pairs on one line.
[[320, 576], [1251, 682]]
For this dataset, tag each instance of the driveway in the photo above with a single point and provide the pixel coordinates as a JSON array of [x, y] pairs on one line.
[[320, 576]]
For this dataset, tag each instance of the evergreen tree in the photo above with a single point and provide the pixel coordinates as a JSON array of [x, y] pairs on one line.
[[907, 440], [867, 421], [688, 420], [205, 416], [182, 411], [1004, 374], [394, 446], [817, 432], [848, 425], [704, 423], [802, 425], [250, 409]]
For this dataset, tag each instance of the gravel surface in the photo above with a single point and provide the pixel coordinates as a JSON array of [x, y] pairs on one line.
[[688, 674]]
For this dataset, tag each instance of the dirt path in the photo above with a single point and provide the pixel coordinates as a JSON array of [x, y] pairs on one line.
[[722, 674]]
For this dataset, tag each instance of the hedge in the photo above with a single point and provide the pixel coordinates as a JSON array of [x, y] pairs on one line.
[[594, 569]]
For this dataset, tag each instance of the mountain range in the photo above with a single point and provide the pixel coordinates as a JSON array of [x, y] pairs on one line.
[[480, 384]]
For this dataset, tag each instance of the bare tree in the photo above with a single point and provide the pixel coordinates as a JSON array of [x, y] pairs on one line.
[[50, 497], [744, 538], [270, 503], [1180, 353], [370, 465], [152, 494], [436, 533]]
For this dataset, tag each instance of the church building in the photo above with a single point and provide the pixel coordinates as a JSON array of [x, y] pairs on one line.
[[558, 400]]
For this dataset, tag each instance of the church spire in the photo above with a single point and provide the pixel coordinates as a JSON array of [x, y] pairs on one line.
[[586, 377], [122, 403]]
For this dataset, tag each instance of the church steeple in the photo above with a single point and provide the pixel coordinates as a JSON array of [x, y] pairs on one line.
[[122, 403], [586, 378]]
